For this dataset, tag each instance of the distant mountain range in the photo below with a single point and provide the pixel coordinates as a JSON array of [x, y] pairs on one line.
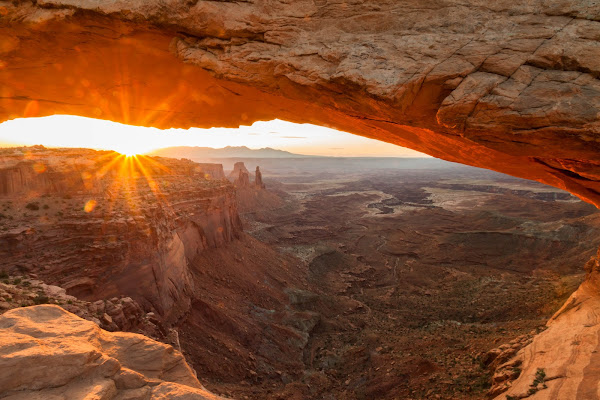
[[202, 153]]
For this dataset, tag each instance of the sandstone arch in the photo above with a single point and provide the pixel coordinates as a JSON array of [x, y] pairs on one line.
[[510, 87]]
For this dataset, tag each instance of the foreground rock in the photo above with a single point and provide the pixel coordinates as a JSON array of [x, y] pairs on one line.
[[562, 362], [49, 353], [510, 86]]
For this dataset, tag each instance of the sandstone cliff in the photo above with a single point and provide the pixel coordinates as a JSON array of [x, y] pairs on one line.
[[130, 233], [211, 171], [508, 86], [155, 247], [560, 362], [49, 353]]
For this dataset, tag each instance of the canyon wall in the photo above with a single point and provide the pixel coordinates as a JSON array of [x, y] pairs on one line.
[[27, 177], [158, 248], [560, 362], [123, 235], [507, 86]]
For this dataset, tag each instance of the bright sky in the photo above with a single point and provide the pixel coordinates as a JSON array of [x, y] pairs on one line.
[[72, 131]]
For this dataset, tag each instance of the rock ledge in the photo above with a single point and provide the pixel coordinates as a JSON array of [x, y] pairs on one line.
[[49, 353]]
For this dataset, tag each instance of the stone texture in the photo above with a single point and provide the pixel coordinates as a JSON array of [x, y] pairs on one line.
[[505, 85], [566, 352], [86, 361], [138, 238]]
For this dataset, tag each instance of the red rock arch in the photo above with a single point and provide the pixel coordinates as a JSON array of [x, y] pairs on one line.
[[507, 87]]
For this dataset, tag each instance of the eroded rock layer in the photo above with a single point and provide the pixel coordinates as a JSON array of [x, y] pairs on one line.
[[102, 225], [503, 85]]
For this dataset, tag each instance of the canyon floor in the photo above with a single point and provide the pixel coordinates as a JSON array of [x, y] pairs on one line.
[[417, 269], [343, 279]]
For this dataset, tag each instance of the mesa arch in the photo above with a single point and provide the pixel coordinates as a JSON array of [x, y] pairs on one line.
[[497, 85]]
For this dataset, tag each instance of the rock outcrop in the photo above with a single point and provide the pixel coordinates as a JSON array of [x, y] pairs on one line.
[[243, 180], [507, 86], [211, 171], [240, 176], [86, 361], [258, 182], [238, 167], [116, 314], [562, 361]]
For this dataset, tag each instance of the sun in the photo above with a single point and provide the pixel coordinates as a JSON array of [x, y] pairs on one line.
[[128, 149], [129, 153]]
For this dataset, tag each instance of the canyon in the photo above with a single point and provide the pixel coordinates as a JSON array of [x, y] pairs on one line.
[[511, 87], [329, 278], [148, 245]]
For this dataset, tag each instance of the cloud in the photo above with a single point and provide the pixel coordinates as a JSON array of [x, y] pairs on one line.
[[335, 148], [293, 137]]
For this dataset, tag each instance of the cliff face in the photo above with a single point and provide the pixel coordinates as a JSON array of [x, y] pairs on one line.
[[27, 177], [561, 362], [157, 247], [506, 86], [128, 235], [211, 171]]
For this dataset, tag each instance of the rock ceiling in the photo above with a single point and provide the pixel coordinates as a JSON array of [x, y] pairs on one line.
[[495, 84]]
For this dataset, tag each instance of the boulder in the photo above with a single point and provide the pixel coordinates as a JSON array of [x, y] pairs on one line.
[[49, 353]]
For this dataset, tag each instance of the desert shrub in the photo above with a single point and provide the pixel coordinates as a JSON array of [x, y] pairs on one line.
[[41, 299], [540, 376], [16, 281], [46, 206], [32, 206], [3, 274]]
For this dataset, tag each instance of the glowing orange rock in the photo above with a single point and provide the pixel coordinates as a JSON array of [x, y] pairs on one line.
[[510, 87]]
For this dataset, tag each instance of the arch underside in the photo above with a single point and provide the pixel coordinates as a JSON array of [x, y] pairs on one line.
[[510, 88]]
